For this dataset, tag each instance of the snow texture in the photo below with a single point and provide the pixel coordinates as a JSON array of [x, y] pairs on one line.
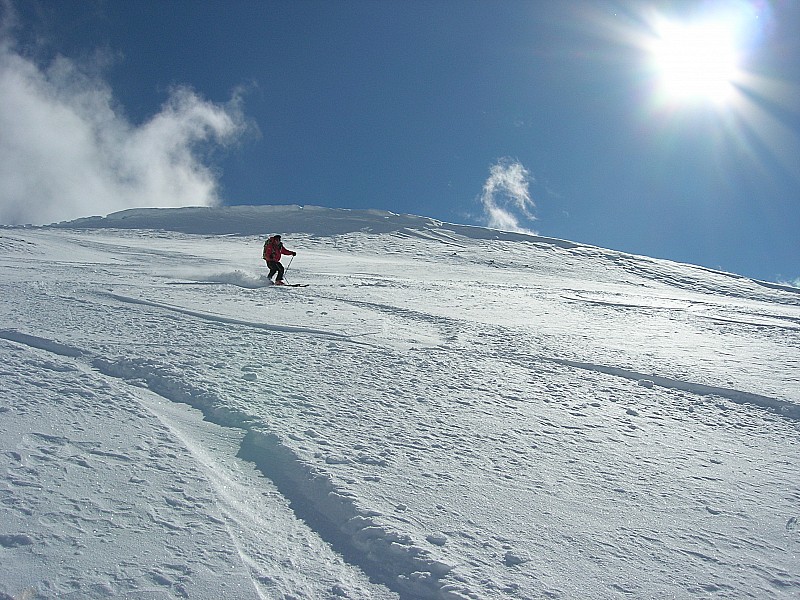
[[446, 412]]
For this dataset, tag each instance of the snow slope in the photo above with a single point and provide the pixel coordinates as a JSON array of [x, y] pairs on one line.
[[445, 412]]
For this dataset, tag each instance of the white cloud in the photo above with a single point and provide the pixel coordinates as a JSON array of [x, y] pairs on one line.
[[66, 151], [506, 199]]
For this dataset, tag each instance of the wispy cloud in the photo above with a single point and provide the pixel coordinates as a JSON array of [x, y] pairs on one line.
[[506, 199], [68, 151]]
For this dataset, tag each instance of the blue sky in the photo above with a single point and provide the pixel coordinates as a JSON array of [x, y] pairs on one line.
[[555, 117]]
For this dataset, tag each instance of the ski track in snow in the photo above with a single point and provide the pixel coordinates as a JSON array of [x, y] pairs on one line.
[[564, 433], [229, 321]]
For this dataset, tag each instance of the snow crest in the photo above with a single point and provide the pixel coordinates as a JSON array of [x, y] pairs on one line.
[[385, 555]]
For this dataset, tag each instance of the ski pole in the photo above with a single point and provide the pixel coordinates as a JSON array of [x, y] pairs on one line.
[[290, 264]]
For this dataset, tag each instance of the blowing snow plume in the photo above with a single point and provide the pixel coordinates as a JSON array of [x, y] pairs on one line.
[[505, 198], [67, 152]]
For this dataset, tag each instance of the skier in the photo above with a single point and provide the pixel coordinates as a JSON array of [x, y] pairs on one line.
[[273, 249]]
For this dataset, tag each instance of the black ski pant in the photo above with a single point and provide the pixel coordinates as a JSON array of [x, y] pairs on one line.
[[275, 267]]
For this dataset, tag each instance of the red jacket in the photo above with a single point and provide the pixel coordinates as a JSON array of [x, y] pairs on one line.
[[273, 249]]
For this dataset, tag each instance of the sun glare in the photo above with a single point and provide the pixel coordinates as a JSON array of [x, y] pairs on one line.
[[696, 61], [699, 68]]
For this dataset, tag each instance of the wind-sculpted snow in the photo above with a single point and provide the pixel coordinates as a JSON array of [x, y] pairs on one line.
[[312, 220], [37, 342], [443, 413], [387, 556], [254, 220], [789, 409]]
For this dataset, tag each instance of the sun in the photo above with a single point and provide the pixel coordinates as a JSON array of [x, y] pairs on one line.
[[696, 61]]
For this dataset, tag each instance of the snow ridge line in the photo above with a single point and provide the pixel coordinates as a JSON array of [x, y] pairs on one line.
[[12, 335], [384, 555], [149, 374], [782, 407], [387, 556]]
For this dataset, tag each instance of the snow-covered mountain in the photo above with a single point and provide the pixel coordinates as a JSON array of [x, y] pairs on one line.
[[444, 412]]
